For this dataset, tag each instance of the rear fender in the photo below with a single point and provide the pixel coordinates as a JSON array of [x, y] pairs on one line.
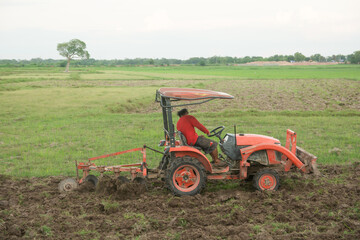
[[192, 152]]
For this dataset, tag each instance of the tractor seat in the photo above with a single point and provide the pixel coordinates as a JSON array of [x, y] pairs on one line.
[[183, 141]]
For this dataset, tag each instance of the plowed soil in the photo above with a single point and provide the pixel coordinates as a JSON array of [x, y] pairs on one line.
[[304, 207]]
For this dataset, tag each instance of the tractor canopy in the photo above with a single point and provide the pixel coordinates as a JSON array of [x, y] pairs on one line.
[[191, 94]]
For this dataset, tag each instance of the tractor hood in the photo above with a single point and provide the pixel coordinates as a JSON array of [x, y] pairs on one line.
[[243, 140], [254, 139]]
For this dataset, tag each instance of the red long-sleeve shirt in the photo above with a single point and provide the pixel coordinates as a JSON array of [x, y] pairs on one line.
[[186, 125]]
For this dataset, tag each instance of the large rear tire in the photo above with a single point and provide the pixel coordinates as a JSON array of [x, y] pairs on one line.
[[266, 180], [185, 176]]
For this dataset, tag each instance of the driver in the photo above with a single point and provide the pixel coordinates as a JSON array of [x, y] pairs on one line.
[[186, 125]]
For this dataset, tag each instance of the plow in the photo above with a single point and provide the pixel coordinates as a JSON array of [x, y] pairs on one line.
[[185, 169]]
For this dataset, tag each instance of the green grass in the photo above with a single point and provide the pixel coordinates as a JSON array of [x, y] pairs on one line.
[[342, 71], [110, 206], [46, 231], [49, 119], [88, 234], [351, 72], [278, 226]]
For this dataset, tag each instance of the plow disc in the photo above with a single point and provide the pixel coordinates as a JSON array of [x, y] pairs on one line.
[[67, 185]]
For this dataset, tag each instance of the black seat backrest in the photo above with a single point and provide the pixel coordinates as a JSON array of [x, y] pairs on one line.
[[183, 140]]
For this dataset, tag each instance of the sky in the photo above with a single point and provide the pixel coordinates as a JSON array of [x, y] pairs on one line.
[[119, 29]]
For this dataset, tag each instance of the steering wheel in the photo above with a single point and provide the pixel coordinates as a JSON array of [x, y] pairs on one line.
[[216, 132]]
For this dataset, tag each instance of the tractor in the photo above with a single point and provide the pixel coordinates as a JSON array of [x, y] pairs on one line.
[[185, 169]]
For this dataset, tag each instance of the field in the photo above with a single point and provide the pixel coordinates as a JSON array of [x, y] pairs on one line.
[[49, 118]]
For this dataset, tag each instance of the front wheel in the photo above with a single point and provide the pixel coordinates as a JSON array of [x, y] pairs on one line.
[[185, 176], [266, 179]]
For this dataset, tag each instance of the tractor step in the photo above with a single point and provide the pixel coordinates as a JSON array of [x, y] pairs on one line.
[[216, 170]]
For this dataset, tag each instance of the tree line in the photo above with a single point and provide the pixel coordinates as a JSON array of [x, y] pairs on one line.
[[353, 58]]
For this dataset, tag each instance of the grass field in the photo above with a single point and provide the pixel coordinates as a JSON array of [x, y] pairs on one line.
[[349, 72], [49, 118]]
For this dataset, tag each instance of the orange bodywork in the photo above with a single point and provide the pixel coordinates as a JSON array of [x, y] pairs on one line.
[[289, 157], [253, 139]]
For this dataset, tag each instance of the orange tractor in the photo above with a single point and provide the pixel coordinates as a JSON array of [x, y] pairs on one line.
[[185, 168]]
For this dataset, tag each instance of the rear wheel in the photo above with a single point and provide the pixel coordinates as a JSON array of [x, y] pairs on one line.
[[266, 179], [185, 176]]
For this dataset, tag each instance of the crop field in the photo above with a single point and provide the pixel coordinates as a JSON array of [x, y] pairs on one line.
[[49, 119]]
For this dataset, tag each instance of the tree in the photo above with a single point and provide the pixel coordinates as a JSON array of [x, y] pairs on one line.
[[151, 61], [202, 63], [355, 57], [299, 57], [340, 58], [75, 48], [290, 58], [318, 58]]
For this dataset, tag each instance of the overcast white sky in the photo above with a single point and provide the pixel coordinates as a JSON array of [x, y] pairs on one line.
[[118, 29]]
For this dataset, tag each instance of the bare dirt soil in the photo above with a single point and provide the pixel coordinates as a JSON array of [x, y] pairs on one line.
[[304, 207], [301, 95], [281, 95]]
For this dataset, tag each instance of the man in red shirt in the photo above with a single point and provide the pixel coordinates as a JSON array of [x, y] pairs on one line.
[[186, 125]]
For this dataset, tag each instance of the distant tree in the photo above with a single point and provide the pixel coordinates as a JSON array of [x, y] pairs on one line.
[[246, 59], [194, 60], [256, 58], [290, 58], [75, 48], [202, 63], [276, 58], [340, 58], [317, 58], [299, 57], [164, 61], [229, 60], [355, 58], [151, 61], [213, 60]]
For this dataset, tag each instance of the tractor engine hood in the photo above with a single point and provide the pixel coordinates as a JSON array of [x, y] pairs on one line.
[[243, 140], [254, 139]]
